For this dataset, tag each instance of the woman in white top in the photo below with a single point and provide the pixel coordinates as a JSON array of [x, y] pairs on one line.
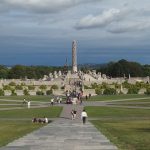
[[84, 116]]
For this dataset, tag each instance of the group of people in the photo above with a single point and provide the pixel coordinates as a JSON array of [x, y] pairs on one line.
[[39, 120], [86, 97], [57, 100], [70, 95], [83, 115]]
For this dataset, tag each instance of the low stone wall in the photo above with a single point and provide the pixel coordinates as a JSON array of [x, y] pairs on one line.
[[89, 91], [58, 92]]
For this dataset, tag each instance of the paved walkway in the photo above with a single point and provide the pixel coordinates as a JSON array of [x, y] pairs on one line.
[[64, 134]]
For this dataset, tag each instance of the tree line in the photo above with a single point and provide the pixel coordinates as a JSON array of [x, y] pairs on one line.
[[22, 72], [113, 69], [124, 68]]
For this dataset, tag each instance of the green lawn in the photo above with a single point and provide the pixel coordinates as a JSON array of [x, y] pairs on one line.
[[137, 100], [115, 97], [127, 135], [10, 102], [50, 112], [131, 104], [31, 98], [129, 129], [11, 130], [9, 106], [19, 126], [112, 112]]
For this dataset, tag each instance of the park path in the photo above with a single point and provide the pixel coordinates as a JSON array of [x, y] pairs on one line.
[[64, 134]]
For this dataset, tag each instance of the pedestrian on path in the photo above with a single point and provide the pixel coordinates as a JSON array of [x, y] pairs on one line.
[[84, 116], [72, 114]]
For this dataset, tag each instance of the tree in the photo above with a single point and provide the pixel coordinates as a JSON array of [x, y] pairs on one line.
[[17, 72], [3, 72]]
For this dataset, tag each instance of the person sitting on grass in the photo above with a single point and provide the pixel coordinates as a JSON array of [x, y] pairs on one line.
[[34, 120], [45, 120]]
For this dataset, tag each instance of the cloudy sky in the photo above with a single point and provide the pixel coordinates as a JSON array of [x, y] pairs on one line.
[[40, 32]]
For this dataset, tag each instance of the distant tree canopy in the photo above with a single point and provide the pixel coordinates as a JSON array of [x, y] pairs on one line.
[[123, 67], [112, 69], [21, 72]]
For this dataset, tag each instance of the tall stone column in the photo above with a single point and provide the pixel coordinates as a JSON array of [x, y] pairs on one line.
[[74, 57]]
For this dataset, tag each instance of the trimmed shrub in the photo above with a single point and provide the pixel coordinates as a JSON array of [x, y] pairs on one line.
[[133, 90], [54, 87], [13, 93], [19, 87], [110, 91], [147, 91], [98, 91], [23, 84], [12, 84], [1, 92], [86, 87], [43, 87], [48, 92], [31, 87], [39, 93], [7, 87], [26, 92], [94, 85]]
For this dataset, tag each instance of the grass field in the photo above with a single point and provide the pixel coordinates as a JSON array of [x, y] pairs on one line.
[[43, 98], [136, 100], [11, 130], [115, 97], [31, 98], [49, 112], [126, 128], [127, 135], [14, 123], [131, 104], [111, 112]]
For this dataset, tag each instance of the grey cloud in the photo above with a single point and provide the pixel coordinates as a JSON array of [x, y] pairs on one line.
[[102, 20], [129, 27], [40, 6]]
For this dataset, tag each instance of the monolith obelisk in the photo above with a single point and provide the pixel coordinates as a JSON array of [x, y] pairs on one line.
[[74, 57]]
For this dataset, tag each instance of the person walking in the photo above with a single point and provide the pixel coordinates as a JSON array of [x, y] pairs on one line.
[[84, 116], [29, 104], [72, 114], [52, 101]]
